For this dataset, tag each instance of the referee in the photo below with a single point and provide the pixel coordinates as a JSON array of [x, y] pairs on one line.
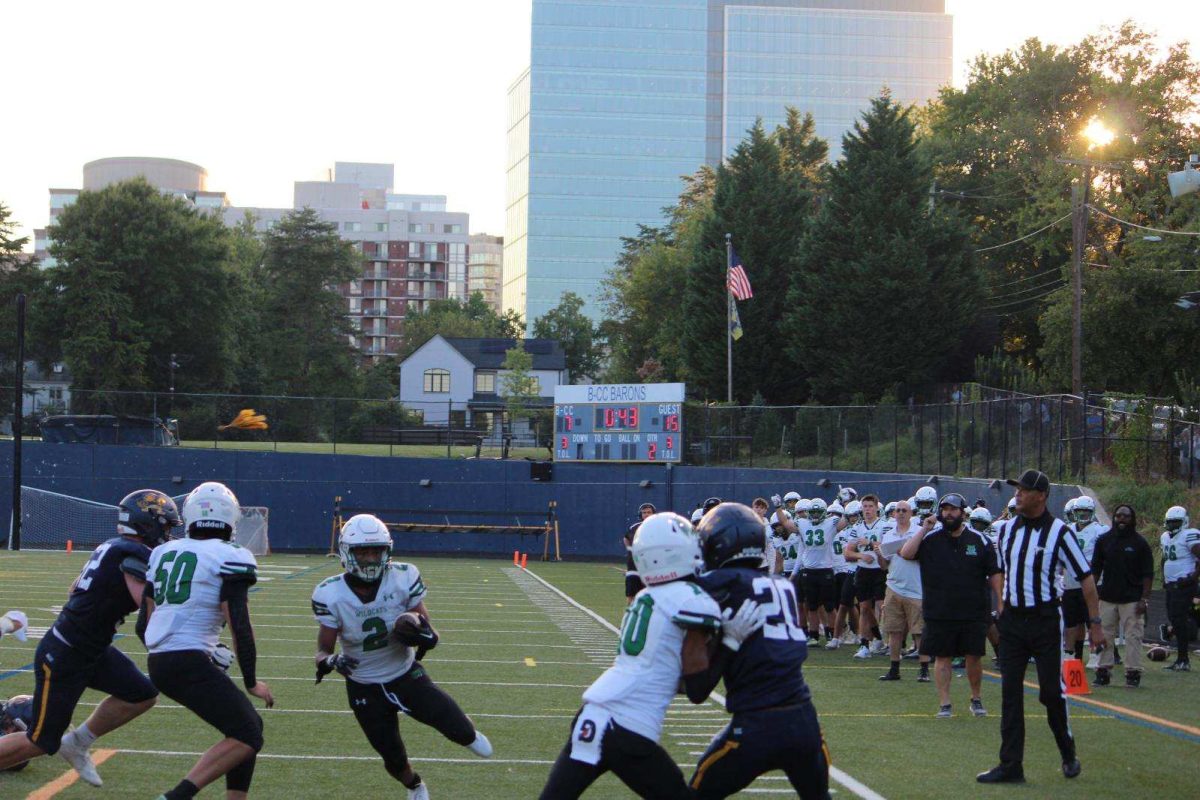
[[1030, 548]]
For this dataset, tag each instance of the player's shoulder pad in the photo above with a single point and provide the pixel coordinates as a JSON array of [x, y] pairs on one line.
[[719, 584], [329, 581], [409, 572]]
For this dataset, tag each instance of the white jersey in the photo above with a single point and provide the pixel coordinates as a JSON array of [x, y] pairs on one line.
[[186, 576], [1087, 543], [769, 552], [841, 540], [904, 576], [638, 687], [1178, 559], [816, 544], [866, 535], [365, 626], [790, 547]]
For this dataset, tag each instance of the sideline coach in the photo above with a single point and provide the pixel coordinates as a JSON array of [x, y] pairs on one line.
[[1031, 547]]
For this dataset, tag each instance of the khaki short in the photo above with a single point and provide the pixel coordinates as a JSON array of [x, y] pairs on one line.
[[901, 614]]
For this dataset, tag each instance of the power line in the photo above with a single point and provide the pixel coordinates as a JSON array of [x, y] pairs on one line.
[[1104, 213], [1029, 299], [1026, 236], [1027, 278], [1055, 280]]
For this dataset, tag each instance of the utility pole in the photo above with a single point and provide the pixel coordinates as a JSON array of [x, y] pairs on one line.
[[728, 319]]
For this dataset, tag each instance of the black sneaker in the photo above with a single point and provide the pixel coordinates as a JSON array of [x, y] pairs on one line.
[[923, 676], [1072, 768], [1002, 773], [1180, 666], [977, 707], [1103, 676], [892, 675], [1133, 679]]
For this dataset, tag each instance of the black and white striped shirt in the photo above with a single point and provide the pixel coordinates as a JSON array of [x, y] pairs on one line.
[[1030, 553]]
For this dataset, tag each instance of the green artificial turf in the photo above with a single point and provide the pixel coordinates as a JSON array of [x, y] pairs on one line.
[[516, 656]]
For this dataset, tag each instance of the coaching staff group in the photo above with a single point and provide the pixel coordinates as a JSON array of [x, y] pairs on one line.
[[1031, 547]]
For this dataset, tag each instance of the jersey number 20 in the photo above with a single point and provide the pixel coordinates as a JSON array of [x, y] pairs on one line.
[[778, 598]]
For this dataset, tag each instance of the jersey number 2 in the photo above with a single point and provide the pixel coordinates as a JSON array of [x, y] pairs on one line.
[[378, 638], [174, 587]]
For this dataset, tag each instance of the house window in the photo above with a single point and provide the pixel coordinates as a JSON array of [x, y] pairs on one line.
[[381, 227], [56, 395], [352, 226], [414, 249], [485, 383], [437, 381], [415, 227], [452, 229]]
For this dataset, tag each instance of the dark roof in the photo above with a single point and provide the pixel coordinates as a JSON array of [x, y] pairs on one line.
[[489, 353]]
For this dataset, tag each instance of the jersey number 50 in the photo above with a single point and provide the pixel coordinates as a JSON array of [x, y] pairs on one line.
[[174, 587], [778, 598]]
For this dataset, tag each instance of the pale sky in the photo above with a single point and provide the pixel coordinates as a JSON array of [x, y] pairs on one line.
[[263, 93]]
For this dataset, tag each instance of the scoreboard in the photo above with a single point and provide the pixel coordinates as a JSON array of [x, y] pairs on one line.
[[619, 422]]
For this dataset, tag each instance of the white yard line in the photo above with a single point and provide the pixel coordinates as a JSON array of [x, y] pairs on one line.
[[852, 784]]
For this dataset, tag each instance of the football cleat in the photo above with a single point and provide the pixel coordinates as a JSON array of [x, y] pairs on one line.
[[863, 652], [833, 644], [79, 758], [945, 712], [977, 707], [1180, 666], [481, 746], [421, 792]]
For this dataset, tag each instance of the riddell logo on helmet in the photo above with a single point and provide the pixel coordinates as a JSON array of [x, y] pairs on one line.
[[209, 523]]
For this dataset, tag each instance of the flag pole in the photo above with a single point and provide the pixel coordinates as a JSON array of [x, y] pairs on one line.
[[728, 319]]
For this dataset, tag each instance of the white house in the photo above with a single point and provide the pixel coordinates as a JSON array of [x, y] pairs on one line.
[[451, 380], [46, 391]]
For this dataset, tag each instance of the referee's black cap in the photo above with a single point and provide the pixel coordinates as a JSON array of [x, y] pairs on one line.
[[1032, 479]]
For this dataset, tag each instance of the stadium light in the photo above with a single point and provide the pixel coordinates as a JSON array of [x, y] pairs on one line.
[[426, 483], [932, 480], [646, 484], [823, 483], [995, 485], [1188, 180]]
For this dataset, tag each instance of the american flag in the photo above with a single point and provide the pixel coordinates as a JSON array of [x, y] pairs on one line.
[[739, 282]]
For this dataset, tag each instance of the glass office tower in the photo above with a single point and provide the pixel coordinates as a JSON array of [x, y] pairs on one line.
[[622, 99]]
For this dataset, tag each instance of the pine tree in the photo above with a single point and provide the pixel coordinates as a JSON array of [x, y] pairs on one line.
[[882, 291]]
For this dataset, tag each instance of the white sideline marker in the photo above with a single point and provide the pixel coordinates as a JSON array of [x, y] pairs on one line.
[[857, 787]]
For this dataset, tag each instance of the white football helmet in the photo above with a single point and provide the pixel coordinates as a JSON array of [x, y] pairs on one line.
[[1085, 510], [817, 509], [211, 507], [666, 549], [1069, 510], [889, 510], [697, 515], [980, 520], [791, 498], [854, 510], [835, 509], [1012, 504], [1176, 519], [926, 501], [364, 530], [846, 494]]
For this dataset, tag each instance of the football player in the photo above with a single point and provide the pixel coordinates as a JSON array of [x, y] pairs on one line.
[[774, 724], [783, 526], [870, 581], [1181, 557], [760, 506], [814, 567], [77, 652], [843, 577], [633, 584], [197, 585], [924, 503], [1081, 511], [980, 521], [381, 659], [16, 715], [664, 637]]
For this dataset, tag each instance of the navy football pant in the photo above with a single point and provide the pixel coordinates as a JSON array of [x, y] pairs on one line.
[[756, 742]]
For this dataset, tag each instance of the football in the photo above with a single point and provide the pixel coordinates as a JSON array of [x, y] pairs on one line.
[[1157, 653], [408, 625]]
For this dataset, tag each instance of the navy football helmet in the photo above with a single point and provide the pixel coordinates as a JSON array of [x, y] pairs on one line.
[[148, 514], [731, 533]]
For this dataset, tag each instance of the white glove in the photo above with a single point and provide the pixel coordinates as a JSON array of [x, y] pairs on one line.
[[222, 656], [16, 623], [737, 628], [776, 501]]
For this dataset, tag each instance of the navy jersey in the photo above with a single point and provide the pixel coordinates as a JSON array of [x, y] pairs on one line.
[[765, 671], [100, 601], [629, 565]]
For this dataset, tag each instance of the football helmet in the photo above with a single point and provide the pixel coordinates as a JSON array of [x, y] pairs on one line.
[[362, 531], [665, 548], [817, 509], [791, 498], [926, 501], [1012, 505], [854, 511], [211, 511], [711, 503], [889, 510], [1176, 519], [148, 514], [846, 494], [1085, 510], [731, 533], [835, 510], [980, 520], [697, 515], [1069, 510]]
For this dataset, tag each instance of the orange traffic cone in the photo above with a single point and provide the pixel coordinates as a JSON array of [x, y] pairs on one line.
[[516, 558], [70, 546], [1075, 677], [524, 559]]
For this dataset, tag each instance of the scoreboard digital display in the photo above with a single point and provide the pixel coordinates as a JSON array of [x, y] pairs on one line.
[[619, 422]]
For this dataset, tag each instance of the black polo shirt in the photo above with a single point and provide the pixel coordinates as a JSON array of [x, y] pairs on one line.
[[954, 575]]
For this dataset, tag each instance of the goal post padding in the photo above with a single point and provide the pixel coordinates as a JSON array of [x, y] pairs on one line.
[[50, 519]]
